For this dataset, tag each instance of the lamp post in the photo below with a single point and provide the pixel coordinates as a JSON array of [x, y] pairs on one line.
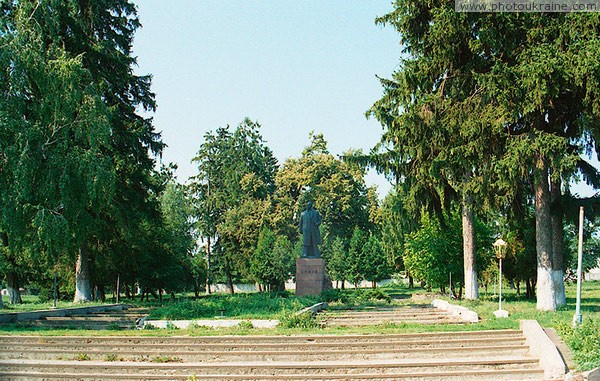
[[500, 249]]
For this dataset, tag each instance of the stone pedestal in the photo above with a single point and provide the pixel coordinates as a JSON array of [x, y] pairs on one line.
[[311, 276]]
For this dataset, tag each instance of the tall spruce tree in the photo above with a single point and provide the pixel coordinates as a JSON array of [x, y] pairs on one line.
[[82, 160], [436, 119]]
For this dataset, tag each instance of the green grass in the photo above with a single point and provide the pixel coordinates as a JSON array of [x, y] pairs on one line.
[[239, 306]]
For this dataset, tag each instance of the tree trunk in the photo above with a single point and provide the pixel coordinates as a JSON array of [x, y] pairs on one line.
[[12, 285], [83, 288], [230, 278], [558, 243], [208, 267], [546, 293], [470, 268], [99, 293]]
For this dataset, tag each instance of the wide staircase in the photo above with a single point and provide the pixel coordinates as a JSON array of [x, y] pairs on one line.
[[481, 355], [416, 313]]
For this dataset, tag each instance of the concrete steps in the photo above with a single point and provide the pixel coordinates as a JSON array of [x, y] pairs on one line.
[[420, 314], [482, 355], [124, 319]]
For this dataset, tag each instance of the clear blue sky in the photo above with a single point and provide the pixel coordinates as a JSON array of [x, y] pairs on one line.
[[293, 66]]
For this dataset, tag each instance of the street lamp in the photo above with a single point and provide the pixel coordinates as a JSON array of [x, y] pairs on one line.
[[500, 249]]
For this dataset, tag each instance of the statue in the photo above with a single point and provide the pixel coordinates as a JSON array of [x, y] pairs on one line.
[[310, 219]]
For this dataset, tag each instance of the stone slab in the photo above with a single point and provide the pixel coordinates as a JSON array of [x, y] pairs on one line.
[[311, 276], [463, 313]]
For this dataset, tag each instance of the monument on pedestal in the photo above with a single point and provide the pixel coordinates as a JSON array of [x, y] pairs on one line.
[[311, 275]]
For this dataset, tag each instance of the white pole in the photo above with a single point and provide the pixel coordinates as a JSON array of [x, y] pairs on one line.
[[500, 286], [577, 318]]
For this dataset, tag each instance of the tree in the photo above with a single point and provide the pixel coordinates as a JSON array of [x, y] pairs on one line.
[[179, 239], [435, 119], [396, 223], [81, 168], [271, 265], [551, 119], [55, 177], [336, 254], [374, 262], [355, 272], [336, 188], [233, 196], [431, 253]]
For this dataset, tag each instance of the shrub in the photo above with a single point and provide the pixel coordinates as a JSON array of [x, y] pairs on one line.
[[585, 343], [304, 320]]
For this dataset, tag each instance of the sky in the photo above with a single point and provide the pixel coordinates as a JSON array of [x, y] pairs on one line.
[[293, 66]]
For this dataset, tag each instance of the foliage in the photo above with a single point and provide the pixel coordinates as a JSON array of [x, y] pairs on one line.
[[431, 253], [82, 357], [255, 305], [336, 256], [584, 341], [374, 262], [396, 223], [355, 261], [304, 320], [76, 179], [336, 187], [232, 196], [273, 261], [355, 297], [166, 359]]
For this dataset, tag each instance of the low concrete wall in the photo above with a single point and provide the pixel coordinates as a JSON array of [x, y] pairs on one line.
[[542, 347], [462, 312], [15, 317], [315, 308]]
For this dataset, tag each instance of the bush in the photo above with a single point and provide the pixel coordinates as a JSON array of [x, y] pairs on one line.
[[335, 295], [304, 320], [374, 295], [585, 343]]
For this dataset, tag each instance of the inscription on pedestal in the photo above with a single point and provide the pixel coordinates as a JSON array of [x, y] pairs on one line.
[[311, 276]]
